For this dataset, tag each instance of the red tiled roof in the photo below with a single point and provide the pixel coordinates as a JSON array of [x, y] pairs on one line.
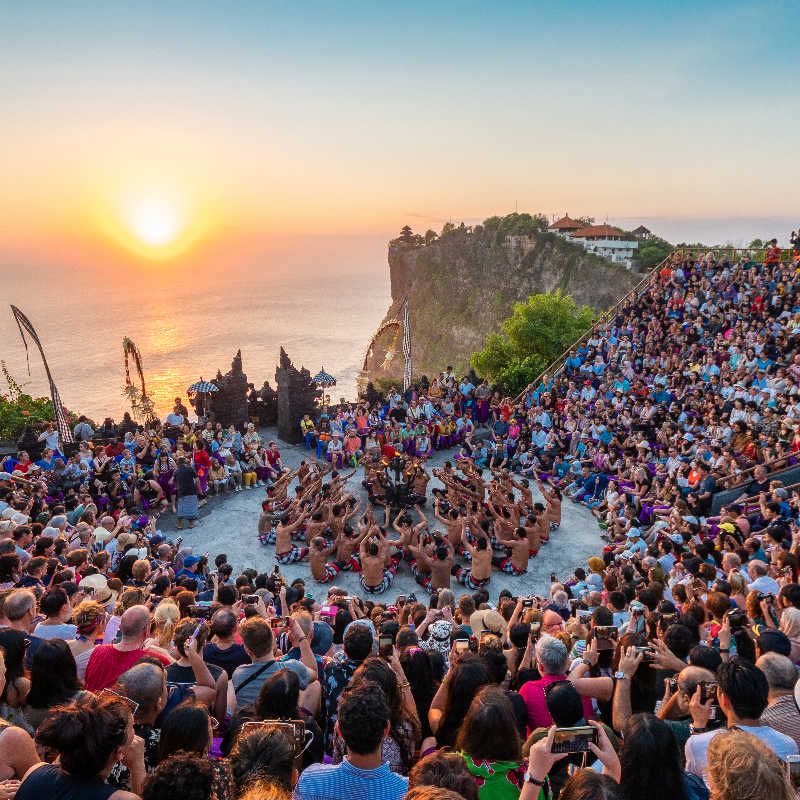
[[565, 223], [597, 231]]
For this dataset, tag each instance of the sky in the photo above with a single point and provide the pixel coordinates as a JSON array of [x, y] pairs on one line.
[[185, 132]]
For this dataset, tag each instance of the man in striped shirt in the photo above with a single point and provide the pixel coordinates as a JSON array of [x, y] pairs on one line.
[[363, 723]]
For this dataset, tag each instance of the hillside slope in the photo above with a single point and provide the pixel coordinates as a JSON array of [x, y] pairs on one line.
[[462, 286]]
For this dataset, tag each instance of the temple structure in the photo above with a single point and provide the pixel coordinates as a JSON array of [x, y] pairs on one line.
[[297, 395]]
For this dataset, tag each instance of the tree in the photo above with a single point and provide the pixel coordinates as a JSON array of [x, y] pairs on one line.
[[756, 244], [586, 221], [653, 251], [536, 334], [430, 236], [406, 235], [448, 227]]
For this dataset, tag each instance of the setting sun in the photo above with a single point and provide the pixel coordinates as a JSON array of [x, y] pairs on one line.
[[154, 220]]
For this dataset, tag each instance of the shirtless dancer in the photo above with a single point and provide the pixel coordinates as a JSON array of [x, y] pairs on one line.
[[375, 576], [517, 562], [285, 551], [478, 575]]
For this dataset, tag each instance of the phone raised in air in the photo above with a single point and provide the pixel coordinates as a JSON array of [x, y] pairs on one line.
[[574, 740]]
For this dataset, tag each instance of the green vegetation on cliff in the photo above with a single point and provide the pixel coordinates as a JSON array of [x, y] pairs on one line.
[[463, 282], [536, 334]]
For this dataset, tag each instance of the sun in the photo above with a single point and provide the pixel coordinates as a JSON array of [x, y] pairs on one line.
[[156, 220]]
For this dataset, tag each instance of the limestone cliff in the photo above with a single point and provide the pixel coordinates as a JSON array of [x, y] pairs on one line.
[[461, 286]]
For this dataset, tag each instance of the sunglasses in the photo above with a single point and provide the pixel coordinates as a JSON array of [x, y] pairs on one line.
[[109, 694]]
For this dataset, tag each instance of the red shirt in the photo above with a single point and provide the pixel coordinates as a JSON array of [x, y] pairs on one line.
[[106, 664], [773, 255], [273, 456]]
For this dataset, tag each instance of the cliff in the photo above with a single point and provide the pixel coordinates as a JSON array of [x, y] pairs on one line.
[[461, 286]]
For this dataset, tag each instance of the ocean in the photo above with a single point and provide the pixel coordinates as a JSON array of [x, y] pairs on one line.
[[321, 304]]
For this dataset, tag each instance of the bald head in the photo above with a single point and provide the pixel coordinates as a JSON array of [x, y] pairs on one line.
[[691, 677], [108, 522], [135, 623]]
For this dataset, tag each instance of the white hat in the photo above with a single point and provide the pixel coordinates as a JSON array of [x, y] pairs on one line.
[[101, 535]]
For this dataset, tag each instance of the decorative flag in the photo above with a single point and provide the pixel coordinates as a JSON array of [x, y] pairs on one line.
[[24, 324], [406, 347]]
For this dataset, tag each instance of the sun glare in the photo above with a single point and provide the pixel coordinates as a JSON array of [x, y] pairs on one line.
[[154, 220]]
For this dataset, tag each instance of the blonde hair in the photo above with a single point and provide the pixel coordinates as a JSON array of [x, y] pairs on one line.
[[166, 611], [742, 767], [737, 582]]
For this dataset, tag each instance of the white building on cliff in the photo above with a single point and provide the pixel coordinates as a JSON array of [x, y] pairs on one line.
[[607, 242]]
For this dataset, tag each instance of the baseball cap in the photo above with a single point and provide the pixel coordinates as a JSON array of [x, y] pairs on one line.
[[729, 527], [633, 533], [190, 561], [676, 538], [322, 639]]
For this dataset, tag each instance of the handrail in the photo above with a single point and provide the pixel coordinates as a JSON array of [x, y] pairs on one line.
[[755, 498]]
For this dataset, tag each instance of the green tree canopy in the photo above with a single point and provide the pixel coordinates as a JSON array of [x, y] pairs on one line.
[[653, 251], [536, 334]]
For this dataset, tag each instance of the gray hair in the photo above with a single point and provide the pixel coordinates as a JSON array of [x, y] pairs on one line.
[[758, 566], [18, 604], [779, 670], [144, 684], [560, 598], [551, 654]]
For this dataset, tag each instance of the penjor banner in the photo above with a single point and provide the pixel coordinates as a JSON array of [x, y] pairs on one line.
[[406, 347], [24, 324]]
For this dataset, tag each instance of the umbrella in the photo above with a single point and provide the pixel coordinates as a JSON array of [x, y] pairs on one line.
[[202, 387], [322, 378]]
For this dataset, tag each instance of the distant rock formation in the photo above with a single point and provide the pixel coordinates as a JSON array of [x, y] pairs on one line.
[[464, 283], [296, 396]]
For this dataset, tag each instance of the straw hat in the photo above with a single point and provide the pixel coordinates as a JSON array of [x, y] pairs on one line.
[[102, 593]]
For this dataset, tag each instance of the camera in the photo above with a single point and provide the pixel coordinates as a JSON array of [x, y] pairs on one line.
[[737, 618], [385, 646]]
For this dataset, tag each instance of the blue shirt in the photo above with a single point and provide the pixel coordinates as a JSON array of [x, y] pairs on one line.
[[346, 782]]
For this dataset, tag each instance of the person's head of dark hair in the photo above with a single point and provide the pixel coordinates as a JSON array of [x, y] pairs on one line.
[[468, 675], [496, 664], [185, 775], [263, 752], [187, 728], [406, 637], [745, 686], [518, 635], [617, 599], [87, 735], [790, 593], [586, 784], [278, 696], [706, 657], [650, 758], [602, 616], [52, 602], [564, 703], [227, 595], [718, 603], [54, 675], [363, 718], [444, 771], [358, 642], [679, 639], [489, 731]]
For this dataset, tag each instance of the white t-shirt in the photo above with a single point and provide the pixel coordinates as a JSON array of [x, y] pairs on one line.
[[765, 585], [696, 748]]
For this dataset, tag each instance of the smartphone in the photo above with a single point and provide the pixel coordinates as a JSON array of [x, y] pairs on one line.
[[584, 615], [673, 684], [329, 611], [574, 740], [401, 600], [536, 628], [434, 600], [279, 622], [385, 646], [708, 691], [648, 653], [793, 768], [606, 632], [251, 599], [461, 645], [527, 602], [553, 578]]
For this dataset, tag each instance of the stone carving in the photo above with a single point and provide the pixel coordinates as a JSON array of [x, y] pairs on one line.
[[297, 395], [229, 404]]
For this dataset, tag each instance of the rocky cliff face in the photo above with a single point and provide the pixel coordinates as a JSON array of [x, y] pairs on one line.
[[462, 286]]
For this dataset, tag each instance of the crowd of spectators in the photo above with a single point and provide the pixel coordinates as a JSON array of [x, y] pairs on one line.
[[665, 666]]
